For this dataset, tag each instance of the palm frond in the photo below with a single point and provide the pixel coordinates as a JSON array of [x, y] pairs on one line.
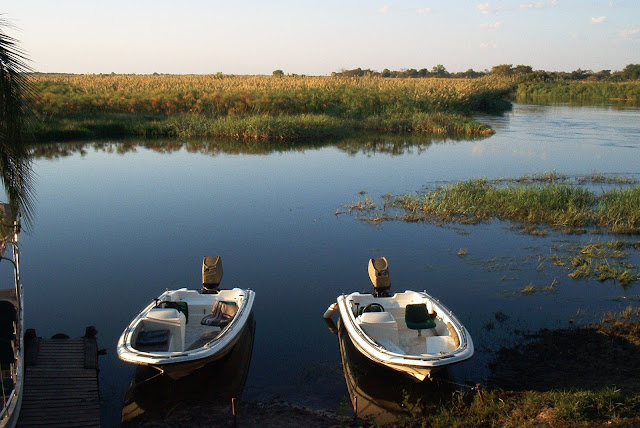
[[15, 115]]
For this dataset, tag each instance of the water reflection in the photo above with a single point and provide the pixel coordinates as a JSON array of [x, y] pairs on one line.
[[381, 395], [550, 101], [152, 396], [389, 144]]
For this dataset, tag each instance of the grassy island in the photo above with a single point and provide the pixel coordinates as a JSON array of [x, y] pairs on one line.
[[287, 108], [555, 203]]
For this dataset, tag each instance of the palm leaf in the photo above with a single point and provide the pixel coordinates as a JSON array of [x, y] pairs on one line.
[[15, 115]]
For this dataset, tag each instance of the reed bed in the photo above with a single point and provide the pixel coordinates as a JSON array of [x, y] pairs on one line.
[[219, 105], [579, 90], [556, 204]]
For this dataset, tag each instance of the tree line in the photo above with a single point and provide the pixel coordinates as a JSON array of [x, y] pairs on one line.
[[630, 72]]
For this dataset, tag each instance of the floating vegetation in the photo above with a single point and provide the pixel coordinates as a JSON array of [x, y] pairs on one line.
[[532, 288], [534, 202], [364, 203], [463, 252], [601, 261], [529, 289]]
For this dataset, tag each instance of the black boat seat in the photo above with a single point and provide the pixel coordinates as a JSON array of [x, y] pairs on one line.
[[417, 317], [153, 340], [221, 314]]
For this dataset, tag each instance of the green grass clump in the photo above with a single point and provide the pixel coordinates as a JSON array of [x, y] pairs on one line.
[[559, 205], [478, 200], [619, 210]]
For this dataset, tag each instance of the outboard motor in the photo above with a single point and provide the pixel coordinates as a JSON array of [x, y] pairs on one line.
[[379, 275], [211, 273]]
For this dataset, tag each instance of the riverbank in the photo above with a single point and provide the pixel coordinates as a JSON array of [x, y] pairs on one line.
[[283, 128], [570, 377], [290, 108]]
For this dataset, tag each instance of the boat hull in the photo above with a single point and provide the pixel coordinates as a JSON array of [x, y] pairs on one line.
[[390, 352], [182, 369]]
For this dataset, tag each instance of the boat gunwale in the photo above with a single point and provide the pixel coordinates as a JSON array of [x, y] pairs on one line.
[[13, 402], [394, 357], [220, 343]]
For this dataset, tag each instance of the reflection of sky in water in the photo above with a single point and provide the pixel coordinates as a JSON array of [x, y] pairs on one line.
[[572, 140], [112, 231]]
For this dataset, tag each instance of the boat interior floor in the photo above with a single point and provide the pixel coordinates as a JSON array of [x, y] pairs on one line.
[[197, 335], [392, 332]]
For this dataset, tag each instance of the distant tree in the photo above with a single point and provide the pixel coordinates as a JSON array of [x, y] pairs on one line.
[[412, 72], [579, 74], [15, 113], [439, 71], [502, 70], [386, 73], [470, 73], [522, 69], [277, 73], [630, 72]]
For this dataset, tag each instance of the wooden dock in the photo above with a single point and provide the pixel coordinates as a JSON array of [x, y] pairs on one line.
[[61, 382]]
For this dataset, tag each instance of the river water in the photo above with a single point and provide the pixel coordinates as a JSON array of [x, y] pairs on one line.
[[117, 223]]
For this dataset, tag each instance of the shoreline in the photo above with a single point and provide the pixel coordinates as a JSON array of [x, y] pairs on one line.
[[568, 377]]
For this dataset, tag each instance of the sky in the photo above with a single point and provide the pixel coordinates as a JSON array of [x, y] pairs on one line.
[[317, 37]]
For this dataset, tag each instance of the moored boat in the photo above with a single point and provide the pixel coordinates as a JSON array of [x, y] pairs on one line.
[[182, 330], [11, 324], [411, 332]]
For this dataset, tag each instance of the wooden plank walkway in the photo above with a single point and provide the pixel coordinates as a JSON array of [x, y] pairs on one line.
[[61, 383]]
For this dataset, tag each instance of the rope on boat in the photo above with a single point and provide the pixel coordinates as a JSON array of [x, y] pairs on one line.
[[160, 373]]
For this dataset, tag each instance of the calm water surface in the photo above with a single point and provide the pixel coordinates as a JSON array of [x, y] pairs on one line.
[[115, 228]]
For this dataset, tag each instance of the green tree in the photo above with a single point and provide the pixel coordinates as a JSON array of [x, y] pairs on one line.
[[522, 69], [15, 113], [630, 72], [439, 71], [502, 70], [277, 73]]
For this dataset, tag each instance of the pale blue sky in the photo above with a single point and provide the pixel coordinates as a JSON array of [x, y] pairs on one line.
[[318, 37]]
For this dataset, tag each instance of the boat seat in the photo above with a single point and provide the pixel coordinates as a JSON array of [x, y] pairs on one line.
[[221, 314], [180, 305], [416, 317], [153, 340], [380, 326], [169, 319]]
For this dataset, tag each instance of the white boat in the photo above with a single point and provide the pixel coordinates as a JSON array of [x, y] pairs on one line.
[[411, 332], [182, 330], [11, 324]]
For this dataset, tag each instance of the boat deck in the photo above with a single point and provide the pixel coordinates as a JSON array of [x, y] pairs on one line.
[[61, 383]]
